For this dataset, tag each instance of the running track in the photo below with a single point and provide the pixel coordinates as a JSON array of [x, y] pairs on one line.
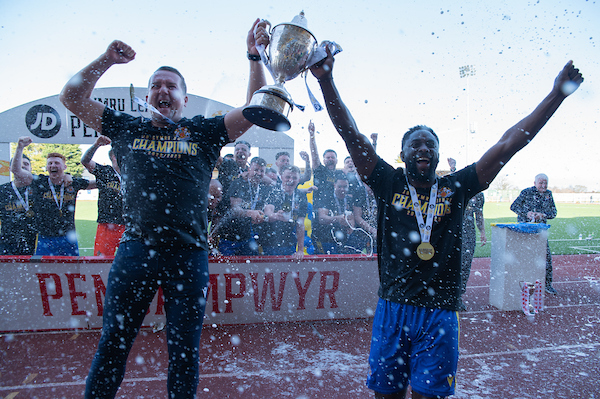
[[555, 354]]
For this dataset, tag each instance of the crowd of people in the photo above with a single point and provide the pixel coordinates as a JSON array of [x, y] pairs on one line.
[[412, 217], [250, 211], [252, 208], [38, 215], [263, 213]]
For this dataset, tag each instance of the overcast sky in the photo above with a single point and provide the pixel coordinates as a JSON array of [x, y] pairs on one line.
[[399, 67]]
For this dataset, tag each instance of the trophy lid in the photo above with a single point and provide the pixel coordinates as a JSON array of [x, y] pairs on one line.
[[299, 20]]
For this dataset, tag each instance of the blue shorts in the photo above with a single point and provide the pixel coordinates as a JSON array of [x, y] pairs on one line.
[[414, 346], [56, 246]]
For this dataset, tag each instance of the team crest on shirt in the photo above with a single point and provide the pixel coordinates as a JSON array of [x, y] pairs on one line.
[[445, 192], [182, 133]]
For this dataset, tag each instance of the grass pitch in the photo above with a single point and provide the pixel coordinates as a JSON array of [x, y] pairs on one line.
[[572, 221]]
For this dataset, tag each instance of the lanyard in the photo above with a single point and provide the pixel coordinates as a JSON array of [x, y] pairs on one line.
[[25, 202], [340, 210], [121, 187], [62, 192], [424, 227], [292, 206], [255, 200], [118, 176]]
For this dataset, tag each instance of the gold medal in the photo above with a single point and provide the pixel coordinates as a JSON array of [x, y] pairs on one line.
[[29, 213], [425, 251]]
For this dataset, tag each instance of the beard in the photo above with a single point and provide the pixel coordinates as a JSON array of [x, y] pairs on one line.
[[426, 177]]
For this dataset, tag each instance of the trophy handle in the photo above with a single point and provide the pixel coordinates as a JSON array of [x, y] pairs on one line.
[[261, 47], [270, 30]]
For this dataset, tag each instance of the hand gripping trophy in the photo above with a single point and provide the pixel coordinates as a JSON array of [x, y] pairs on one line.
[[291, 50]]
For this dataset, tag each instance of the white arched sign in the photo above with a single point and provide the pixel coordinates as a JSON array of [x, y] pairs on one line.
[[48, 121]]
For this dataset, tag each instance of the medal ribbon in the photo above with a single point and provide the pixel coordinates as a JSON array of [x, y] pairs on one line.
[[292, 206], [255, 200], [147, 105], [25, 202], [62, 192], [424, 227], [121, 187]]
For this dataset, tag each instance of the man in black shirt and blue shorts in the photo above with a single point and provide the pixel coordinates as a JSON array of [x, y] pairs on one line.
[[166, 166], [415, 328]]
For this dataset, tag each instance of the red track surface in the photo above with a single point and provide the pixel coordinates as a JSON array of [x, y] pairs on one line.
[[504, 355]]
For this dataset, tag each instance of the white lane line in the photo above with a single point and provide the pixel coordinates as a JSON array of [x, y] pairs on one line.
[[553, 283], [238, 375], [560, 348], [494, 310], [533, 350]]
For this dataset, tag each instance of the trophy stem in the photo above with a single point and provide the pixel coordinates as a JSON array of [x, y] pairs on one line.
[[269, 108]]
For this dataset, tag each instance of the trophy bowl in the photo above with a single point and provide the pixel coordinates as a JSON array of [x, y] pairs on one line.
[[290, 47]]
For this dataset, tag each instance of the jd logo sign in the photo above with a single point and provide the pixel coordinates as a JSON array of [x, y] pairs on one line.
[[43, 121]]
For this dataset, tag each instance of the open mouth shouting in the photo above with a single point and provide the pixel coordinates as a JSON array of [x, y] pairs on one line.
[[162, 104], [422, 168], [423, 164], [164, 110]]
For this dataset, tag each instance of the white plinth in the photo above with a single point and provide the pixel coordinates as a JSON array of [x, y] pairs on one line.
[[516, 257]]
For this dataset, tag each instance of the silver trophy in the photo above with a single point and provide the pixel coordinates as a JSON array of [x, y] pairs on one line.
[[290, 47]]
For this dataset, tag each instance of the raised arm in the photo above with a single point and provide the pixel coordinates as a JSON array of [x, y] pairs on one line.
[[76, 95], [518, 136], [374, 140], [235, 122], [307, 169], [314, 153], [86, 159], [362, 152], [23, 176]]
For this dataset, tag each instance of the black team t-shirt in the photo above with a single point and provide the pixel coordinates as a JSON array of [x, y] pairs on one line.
[[404, 278], [54, 219], [241, 228], [17, 233], [165, 173], [110, 199], [283, 233]]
